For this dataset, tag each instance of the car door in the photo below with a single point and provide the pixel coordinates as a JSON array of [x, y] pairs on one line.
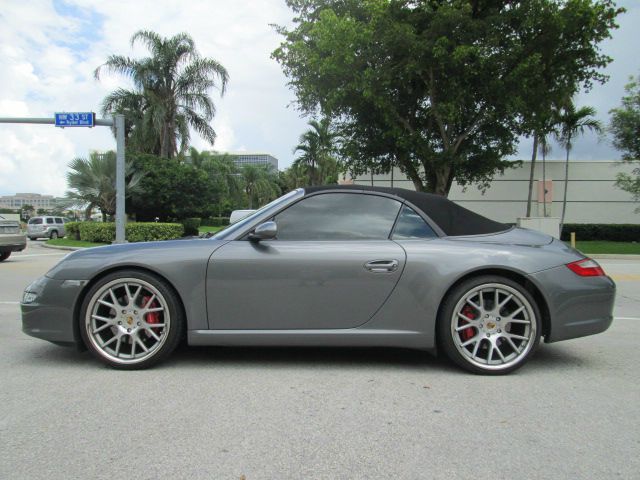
[[331, 266]]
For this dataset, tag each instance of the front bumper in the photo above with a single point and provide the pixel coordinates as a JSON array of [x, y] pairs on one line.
[[50, 316], [578, 306]]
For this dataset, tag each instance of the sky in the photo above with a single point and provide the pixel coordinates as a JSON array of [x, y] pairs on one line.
[[49, 50]]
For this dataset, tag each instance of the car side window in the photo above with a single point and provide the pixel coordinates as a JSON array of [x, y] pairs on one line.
[[59, 220], [49, 220], [338, 216], [410, 225]]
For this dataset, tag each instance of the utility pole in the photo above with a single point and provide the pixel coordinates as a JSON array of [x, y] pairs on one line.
[[87, 119]]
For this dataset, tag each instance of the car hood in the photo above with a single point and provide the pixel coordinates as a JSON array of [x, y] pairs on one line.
[[156, 256], [513, 236]]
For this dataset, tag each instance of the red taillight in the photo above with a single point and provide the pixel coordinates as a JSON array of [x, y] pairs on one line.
[[586, 268]]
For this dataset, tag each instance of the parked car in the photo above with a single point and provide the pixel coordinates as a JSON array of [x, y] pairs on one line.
[[11, 238], [49, 227], [329, 266]]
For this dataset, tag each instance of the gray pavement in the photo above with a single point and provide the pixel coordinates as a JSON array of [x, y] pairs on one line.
[[212, 413]]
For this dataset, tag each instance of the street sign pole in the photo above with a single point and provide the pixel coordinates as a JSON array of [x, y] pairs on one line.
[[120, 210], [87, 119]]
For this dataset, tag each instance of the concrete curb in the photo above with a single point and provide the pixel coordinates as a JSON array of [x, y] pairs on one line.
[[56, 247], [612, 256]]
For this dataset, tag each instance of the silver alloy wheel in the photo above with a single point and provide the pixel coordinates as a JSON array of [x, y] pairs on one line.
[[127, 320], [493, 326]]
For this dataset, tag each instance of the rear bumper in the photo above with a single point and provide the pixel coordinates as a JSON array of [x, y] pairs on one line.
[[51, 316], [578, 306], [13, 243]]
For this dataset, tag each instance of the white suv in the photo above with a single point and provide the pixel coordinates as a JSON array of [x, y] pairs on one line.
[[50, 227]]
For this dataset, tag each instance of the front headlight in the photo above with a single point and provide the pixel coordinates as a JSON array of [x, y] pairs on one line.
[[29, 297]]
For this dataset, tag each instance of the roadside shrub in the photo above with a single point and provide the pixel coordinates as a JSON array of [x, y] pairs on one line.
[[626, 232], [72, 230], [215, 222], [149, 232], [191, 226], [135, 231], [97, 232]]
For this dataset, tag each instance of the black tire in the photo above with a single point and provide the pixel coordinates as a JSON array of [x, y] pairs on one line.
[[32, 238], [163, 342], [465, 332], [53, 235], [4, 256]]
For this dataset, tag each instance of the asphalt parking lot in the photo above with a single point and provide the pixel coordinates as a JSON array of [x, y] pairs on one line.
[[211, 413]]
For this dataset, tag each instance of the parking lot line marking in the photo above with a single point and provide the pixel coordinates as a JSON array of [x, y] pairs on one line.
[[626, 318], [9, 303], [41, 254]]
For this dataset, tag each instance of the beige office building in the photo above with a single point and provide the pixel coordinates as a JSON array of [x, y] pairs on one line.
[[592, 196]]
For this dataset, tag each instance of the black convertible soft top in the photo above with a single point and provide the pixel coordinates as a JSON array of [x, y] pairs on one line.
[[453, 219]]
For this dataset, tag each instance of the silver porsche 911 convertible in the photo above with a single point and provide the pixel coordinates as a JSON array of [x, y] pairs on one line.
[[329, 266]]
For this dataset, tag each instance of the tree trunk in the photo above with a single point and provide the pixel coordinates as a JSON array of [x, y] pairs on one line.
[[531, 173], [566, 185], [443, 180]]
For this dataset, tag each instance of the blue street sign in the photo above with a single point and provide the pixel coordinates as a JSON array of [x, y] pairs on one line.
[[75, 119]]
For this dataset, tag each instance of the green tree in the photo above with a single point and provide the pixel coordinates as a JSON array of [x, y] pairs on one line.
[[170, 95], [625, 128], [92, 182], [573, 122], [317, 148], [172, 190], [260, 184], [440, 88]]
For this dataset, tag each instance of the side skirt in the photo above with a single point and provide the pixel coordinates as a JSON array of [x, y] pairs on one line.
[[311, 338]]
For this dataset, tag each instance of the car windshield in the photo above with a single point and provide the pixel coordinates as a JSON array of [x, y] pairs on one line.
[[271, 206]]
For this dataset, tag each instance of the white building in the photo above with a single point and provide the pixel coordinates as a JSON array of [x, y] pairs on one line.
[[592, 196], [37, 201]]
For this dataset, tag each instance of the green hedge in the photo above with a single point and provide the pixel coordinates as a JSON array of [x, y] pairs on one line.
[[72, 230], [191, 226], [626, 232], [135, 231], [215, 222]]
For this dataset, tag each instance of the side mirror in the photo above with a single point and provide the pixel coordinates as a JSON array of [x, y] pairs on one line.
[[264, 231]]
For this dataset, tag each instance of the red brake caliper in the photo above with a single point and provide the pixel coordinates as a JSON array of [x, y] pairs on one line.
[[468, 312], [151, 317]]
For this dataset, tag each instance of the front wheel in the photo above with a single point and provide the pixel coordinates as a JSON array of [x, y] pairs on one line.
[[4, 256], [131, 320], [489, 325]]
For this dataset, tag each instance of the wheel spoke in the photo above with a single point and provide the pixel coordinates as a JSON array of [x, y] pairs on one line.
[[103, 327], [505, 301], [517, 337], [500, 353], [513, 345], [153, 334], [133, 345], [470, 341], [516, 312], [476, 347], [475, 305], [110, 341], [106, 304], [141, 343], [150, 301], [155, 309], [464, 327], [115, 301], [490, 353]]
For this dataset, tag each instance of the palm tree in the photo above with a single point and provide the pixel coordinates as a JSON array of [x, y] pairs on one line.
[[170, 93], [573, 122], [260, 184], [92, 182], [317, 146]]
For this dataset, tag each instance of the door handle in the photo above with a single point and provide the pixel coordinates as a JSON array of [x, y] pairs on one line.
[[382, 266]]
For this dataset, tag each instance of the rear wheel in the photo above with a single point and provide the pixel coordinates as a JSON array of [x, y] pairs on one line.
[[4, 256], [489, 325], [53, 235], [131, 320]]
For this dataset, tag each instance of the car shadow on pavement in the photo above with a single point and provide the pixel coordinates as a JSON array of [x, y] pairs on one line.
[[547, 356]]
